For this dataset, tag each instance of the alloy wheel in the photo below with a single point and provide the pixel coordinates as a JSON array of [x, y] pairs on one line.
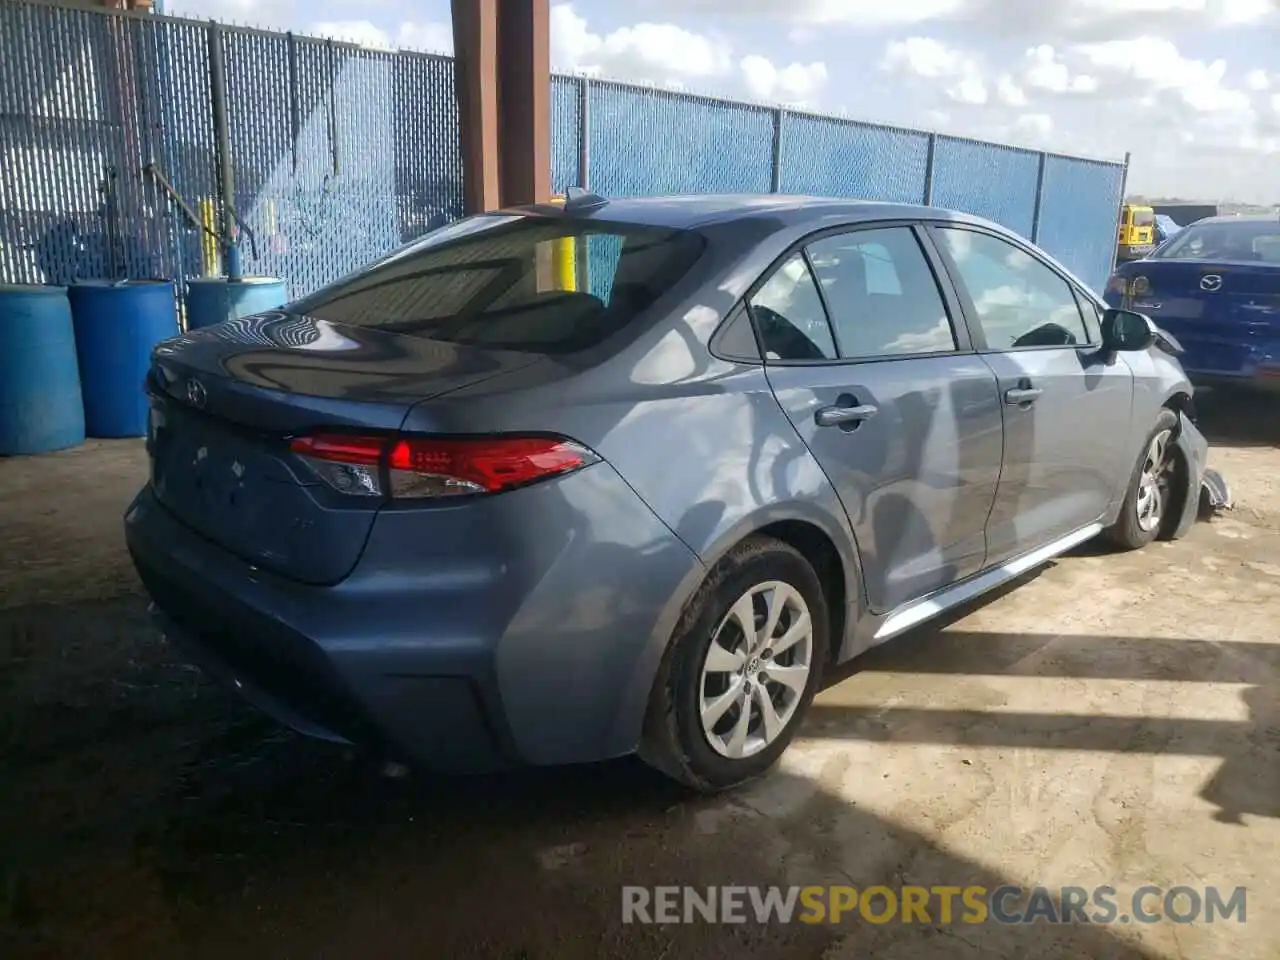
[[756, 670], [1153, 484]]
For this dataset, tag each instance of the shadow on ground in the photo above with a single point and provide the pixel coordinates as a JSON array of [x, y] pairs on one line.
[[145, 813], [1238, 418]]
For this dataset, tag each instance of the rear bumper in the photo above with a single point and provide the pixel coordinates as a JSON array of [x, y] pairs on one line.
[[1262, 381], [525, 629]]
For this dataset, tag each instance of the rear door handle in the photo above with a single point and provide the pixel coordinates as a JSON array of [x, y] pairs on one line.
[[1020, 395], [837, 415]]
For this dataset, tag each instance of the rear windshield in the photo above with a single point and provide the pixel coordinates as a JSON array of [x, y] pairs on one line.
[[1144, 218], [536, 284], [1247, 240]]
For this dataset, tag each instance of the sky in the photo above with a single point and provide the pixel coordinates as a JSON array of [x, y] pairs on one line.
[[1191, 88]]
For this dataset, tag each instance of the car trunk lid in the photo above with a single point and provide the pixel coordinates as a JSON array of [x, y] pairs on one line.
[[1223, 313], [226, 400]]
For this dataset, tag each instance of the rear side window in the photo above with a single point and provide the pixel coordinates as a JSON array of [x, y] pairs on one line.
[[547, 285], [1018, 300], [1144, 218], [789, 316], [882, 294]]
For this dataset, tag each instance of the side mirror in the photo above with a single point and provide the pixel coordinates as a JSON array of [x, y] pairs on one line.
[[1124, 330]]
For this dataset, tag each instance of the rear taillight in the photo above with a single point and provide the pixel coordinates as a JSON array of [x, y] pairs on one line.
[[424, 467], [1137, 287]]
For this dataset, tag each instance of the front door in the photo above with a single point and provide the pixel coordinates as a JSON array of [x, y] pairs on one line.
[[863, 357], [1064, 448]]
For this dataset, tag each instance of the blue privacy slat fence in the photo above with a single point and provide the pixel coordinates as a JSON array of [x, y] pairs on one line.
[[342, 153]]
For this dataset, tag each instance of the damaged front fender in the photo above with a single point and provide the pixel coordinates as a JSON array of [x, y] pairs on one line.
[[1205, 490]]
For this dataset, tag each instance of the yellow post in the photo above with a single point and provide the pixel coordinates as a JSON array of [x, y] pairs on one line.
[[208, 242], [565, 259]]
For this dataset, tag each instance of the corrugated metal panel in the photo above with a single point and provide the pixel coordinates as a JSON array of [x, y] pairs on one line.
[[839, 158], [1078, 215], [987, 180]]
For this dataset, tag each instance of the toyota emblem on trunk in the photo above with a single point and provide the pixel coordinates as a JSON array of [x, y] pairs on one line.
[[196, 395], [1210, 282]]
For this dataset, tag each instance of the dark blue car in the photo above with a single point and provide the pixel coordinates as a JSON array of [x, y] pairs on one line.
[[1216, 287]]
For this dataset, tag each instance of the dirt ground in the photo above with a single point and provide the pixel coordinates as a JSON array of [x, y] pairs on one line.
[[1112, 720]]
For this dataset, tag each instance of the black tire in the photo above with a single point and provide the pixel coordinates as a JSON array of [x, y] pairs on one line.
[[1126, 533], [673, 740]]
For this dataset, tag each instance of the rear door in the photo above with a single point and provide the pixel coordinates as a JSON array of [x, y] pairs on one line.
[[863, 355], [1066, 408]]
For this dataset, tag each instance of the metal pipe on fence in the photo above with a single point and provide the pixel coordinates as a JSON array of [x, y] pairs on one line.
[[584, 135], [1041, 170], [775, 173], [930, 154], [1115, 231], [222, 140]]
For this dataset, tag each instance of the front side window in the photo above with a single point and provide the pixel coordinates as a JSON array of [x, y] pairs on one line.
[[1092, 318], [883, 297], [549, 285], [789, 315], [1017, 299]]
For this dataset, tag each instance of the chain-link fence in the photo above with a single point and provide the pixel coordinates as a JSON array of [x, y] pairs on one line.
[[109, 154]]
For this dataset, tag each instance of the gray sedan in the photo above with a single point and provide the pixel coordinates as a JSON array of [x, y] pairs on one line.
[[570, 482]]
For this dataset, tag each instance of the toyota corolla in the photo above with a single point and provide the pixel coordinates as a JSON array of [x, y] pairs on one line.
[[570, 482]]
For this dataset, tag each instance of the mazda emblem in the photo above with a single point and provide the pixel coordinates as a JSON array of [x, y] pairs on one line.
[[1211, 282], [196, 395]]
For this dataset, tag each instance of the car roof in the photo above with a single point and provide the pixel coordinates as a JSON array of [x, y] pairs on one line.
[[702, 210]]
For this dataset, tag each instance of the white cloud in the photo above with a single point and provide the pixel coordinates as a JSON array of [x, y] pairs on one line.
[[959, 74], [796, 83], [1009, 93], [1045, 71], [1064, 20], [1157, 65], [1258, 80], [1037, 126], [666, 54], [431, 37], [650, 52], [860, 13], [361, 32]]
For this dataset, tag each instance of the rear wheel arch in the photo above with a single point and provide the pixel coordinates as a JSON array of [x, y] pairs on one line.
[[813, 543], [812, 535]]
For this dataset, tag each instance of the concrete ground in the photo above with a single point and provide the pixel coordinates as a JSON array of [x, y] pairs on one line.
[[1113, 720]]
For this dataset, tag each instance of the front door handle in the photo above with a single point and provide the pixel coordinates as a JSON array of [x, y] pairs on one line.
[[1021, 395], [837, 415]]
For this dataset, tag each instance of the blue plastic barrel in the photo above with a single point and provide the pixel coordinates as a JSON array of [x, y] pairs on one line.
[[212, 300], [40, 407], [117, 325]]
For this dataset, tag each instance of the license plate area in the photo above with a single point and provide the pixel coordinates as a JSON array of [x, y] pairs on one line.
[[222, 482]]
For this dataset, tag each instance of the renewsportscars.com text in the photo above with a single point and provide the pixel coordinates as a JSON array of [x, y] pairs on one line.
[[933, 904]]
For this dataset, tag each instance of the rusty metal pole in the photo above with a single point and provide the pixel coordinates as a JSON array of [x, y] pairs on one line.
[[475, 45], [524, 100]]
